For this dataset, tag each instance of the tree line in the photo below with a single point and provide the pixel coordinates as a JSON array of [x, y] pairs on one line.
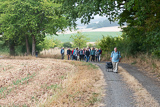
[[29, 21], [25, 21]]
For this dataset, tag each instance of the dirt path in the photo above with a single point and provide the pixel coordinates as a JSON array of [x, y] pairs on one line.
[[150, 84], [118, 93]]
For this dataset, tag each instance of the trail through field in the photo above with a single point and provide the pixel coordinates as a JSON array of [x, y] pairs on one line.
[[130, 88]]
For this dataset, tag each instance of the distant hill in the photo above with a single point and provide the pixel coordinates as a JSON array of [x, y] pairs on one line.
[[104, 23], [93, 36]]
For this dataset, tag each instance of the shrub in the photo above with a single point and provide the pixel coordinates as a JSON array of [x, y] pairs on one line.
[[67, 45]]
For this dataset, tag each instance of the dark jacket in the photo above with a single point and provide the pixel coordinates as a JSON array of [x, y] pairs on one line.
[[62, 51], [100, 51], [68, 52], [87, 53]]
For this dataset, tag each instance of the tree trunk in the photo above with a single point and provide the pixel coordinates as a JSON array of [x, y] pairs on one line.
[[33, 45], [27, 45], [12, 47]]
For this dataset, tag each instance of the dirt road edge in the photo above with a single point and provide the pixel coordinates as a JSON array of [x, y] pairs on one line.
[[142, 96]]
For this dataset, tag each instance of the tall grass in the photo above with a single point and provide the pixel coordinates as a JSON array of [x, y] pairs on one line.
[[145, 62], [142, 97]]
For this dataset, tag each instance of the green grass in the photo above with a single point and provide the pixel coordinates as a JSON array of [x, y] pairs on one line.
[[94, 36], [134, 62], [90, 65], [21, 81]]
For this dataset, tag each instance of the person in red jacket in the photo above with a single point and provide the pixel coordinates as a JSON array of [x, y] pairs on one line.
[[72, 53]]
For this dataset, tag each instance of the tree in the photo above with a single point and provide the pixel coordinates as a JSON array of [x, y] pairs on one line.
[[46, 44], [67, 45], [31, 19], [79, 40], [142, 18]]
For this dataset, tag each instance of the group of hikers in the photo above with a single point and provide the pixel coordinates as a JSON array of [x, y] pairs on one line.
[[92, 54], [85, 54]]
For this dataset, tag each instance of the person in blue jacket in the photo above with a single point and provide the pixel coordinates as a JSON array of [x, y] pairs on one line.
[[115, 58], [92, 53], [62, 53]]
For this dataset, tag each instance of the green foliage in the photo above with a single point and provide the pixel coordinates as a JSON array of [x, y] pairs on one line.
[[4, 49], [107, 43], [48, 43], [58, 43], [31, 18], [79, 40], [67, 45], [142, 17], [90, 45]]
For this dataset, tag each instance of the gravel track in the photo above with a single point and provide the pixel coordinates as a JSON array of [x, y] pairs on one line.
[[117, 92], [150, 84]]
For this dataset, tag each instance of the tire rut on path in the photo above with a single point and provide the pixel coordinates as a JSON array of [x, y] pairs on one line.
[[117, 92], [150, 84]]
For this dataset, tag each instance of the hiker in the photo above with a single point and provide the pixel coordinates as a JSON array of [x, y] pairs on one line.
[[36, 54], [97, 55], [89, 49], [68, 53], [62, 53], [75, 53], [115, 58], [100, 53], [78, 56], [92, 54], [81, 54], [72, 54], [84, 53], [87, 54]]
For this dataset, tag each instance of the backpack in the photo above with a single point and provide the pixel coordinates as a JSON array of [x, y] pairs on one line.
[[81, 52]]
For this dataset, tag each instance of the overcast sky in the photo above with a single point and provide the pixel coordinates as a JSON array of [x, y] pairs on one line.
[[96, 19]]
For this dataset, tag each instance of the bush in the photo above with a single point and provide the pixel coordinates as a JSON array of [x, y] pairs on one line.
[[48, 43], [79, 40], [106, 43], [67, 45]]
